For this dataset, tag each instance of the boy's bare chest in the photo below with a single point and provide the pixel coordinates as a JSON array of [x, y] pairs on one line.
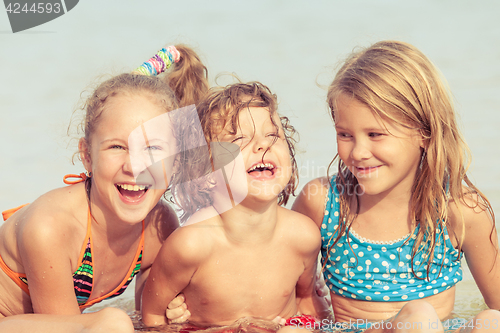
[[246, 283]]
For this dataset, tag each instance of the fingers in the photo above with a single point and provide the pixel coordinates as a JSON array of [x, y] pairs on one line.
[[176, 302], [328, 301], [182, 319], [177, 312], [279, 320], [322, 290]]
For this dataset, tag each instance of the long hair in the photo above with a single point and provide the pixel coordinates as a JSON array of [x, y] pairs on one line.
[[397, 82]]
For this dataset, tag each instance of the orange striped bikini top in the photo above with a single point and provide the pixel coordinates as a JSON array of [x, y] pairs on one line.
[[84, 275]]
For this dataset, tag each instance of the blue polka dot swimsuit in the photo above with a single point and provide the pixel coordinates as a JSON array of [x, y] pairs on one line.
[[376, 271]]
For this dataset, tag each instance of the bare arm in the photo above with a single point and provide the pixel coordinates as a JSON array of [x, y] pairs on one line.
[[171, 272], [480, 247], [308, 301], [140, 281], [44, 251], [161, 222], [311, 200]]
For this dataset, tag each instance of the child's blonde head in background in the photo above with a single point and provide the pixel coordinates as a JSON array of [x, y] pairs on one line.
[[399, 84]]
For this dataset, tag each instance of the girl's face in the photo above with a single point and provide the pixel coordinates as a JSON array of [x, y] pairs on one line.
[[382, 155], [266, 163], [122, 184]]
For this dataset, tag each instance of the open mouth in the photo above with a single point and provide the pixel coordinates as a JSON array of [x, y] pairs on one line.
[[132, 192], [262, 170]]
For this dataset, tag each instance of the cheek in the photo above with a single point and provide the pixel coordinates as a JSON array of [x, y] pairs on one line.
[[107, 164], [343, 149]]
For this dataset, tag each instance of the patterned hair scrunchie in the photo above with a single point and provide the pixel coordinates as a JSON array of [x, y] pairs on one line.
[[160, 62]]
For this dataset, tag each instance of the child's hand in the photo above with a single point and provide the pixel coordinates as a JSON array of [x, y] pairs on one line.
[[279, 320], [177, 312], [321, 288]]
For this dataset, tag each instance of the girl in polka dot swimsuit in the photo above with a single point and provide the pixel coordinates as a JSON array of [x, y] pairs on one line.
[[400, 213]]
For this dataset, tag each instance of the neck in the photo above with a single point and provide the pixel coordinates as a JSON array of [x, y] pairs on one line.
[[250, 224], [387, 211], [110, 231]]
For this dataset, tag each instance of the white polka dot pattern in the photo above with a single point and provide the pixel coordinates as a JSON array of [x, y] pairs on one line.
[[383, 272]]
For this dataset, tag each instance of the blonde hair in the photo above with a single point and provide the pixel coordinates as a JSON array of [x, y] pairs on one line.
[[189, 77], [185, 84], [220, 107], [398, 82]]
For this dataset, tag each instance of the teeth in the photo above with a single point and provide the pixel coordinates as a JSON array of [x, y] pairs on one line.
[[261, 166], [129, 187]]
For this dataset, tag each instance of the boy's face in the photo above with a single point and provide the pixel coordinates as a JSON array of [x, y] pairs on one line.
[[266, 159]]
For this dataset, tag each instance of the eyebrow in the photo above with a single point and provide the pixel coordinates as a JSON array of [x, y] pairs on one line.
[[112, 140], [369, 129]]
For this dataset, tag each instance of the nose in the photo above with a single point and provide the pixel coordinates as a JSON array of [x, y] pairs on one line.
[[360, 150], [262, 142], [128, 166]]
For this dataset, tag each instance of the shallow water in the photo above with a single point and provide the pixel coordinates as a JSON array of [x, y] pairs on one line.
[[468, 302], [291, 46]]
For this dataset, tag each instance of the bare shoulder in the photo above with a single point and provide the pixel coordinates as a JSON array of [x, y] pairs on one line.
[[56, 221], [301, 230], [192, 243], [470, 215], [60, 210], [311, 200]]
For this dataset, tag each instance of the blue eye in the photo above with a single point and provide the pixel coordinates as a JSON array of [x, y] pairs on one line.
[[153, 148]]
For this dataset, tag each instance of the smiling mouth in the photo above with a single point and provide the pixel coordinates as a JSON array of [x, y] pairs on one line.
[[132, 192], [363, 170], [262, 169]]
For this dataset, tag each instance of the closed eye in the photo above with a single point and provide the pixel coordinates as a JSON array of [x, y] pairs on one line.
[[274, 135], [237, 139]]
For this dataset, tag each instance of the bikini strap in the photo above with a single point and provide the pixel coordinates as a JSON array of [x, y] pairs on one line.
[[9, 212], [79, 178]]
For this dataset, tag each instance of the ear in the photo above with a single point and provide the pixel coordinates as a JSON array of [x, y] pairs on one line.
[[423, 141], [84, 149]]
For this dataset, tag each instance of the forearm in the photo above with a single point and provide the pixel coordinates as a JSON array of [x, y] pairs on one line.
[[150, 319], [153, 308]]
